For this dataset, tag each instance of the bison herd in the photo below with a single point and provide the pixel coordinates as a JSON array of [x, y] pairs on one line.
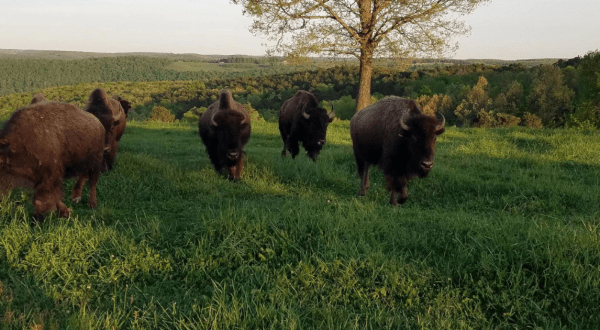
[[46, 142]]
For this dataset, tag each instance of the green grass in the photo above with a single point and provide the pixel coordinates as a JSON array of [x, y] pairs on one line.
[[502, 235]]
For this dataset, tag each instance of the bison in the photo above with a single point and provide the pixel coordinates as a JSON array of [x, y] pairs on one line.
[[112, 113], [394, 134], [225, 129], [301, 119], [46, 142]]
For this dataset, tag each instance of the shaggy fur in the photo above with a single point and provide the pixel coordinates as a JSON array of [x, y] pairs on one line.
[[379, 139], [37, 98], [225, 129], [46, 142], [112, 113], [294, 127]]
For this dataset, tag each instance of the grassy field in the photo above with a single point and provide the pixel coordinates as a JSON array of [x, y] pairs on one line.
[[504, 234]]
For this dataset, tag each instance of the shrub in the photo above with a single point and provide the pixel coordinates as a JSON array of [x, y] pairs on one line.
[[506, 120], [345, 107], [161, 114], [532, 121], [490, 119], [254, 115], [193, 115]]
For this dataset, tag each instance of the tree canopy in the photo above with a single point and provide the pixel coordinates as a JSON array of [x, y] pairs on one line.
[[360, 28]]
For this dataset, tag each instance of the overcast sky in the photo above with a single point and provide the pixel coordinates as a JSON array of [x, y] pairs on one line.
[[503, 29]]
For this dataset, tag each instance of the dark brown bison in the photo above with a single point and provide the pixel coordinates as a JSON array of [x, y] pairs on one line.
[[394, 134], [112, 113], [301, 119], [46, 142], [225, 130]]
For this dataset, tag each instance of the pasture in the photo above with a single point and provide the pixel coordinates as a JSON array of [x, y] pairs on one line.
[[503, 234]]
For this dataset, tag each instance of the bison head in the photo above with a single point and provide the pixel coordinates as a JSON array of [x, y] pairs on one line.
[[315, 126], [420, 132], [232, 128], [126, 105]]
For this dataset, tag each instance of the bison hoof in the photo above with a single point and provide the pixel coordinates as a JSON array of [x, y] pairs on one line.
[[93, 204], [64, 213], [402, 200], [77, 199], [361, 192], [283, 153]]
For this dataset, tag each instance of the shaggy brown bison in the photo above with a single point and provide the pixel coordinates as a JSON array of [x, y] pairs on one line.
[[225, 130], [301, 119], [112, 113], [46, 142], [394, 134]]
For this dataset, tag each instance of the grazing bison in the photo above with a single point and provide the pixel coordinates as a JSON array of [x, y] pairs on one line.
[[301, 119], [225, 130], [112, 113], [46, 142], [394, 134]]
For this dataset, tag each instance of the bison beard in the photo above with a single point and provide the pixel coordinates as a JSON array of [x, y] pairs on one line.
[[47, 142], [301, 119], [395, 135], [225, 129]]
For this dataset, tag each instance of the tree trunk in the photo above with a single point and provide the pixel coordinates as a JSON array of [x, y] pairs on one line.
[[364, 86]]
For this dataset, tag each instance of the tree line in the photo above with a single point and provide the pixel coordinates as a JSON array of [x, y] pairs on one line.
[[468, 95], [31, 74]]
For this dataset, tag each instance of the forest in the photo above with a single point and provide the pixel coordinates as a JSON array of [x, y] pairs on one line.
[[563, 94]]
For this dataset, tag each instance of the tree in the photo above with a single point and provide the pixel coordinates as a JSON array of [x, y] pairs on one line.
[[360, 28]]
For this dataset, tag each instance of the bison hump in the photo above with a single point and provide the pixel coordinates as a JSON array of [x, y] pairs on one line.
[[225, 100]]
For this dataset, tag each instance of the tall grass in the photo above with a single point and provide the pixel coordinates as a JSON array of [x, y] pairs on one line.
[[503, 234]]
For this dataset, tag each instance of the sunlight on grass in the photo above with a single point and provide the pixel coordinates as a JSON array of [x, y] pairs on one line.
[[504, 233]]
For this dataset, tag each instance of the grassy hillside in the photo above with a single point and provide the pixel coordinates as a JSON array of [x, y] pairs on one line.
[[502, 235]]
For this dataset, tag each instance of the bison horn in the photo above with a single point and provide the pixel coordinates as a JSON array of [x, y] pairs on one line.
[[331, 114], [304, 114], [403, 125], [442, 125], [212, 121]]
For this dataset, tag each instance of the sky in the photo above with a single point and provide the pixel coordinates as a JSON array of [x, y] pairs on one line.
[[501, 29]]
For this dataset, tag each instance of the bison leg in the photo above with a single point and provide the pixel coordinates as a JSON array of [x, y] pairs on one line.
[[232, 171], [77, 190], [393, 199], [395, 185], [294, 148], [239, 166], [363, 174], [93, 182]]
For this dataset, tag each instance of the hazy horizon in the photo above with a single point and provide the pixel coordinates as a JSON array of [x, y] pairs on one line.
[[501, 30]]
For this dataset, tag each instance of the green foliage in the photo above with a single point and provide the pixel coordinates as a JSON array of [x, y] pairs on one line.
[[549, 98], [161, 114], [490, 119], [193, 115], [254, 115], [503, 234], [532, 121], [345, 107]]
